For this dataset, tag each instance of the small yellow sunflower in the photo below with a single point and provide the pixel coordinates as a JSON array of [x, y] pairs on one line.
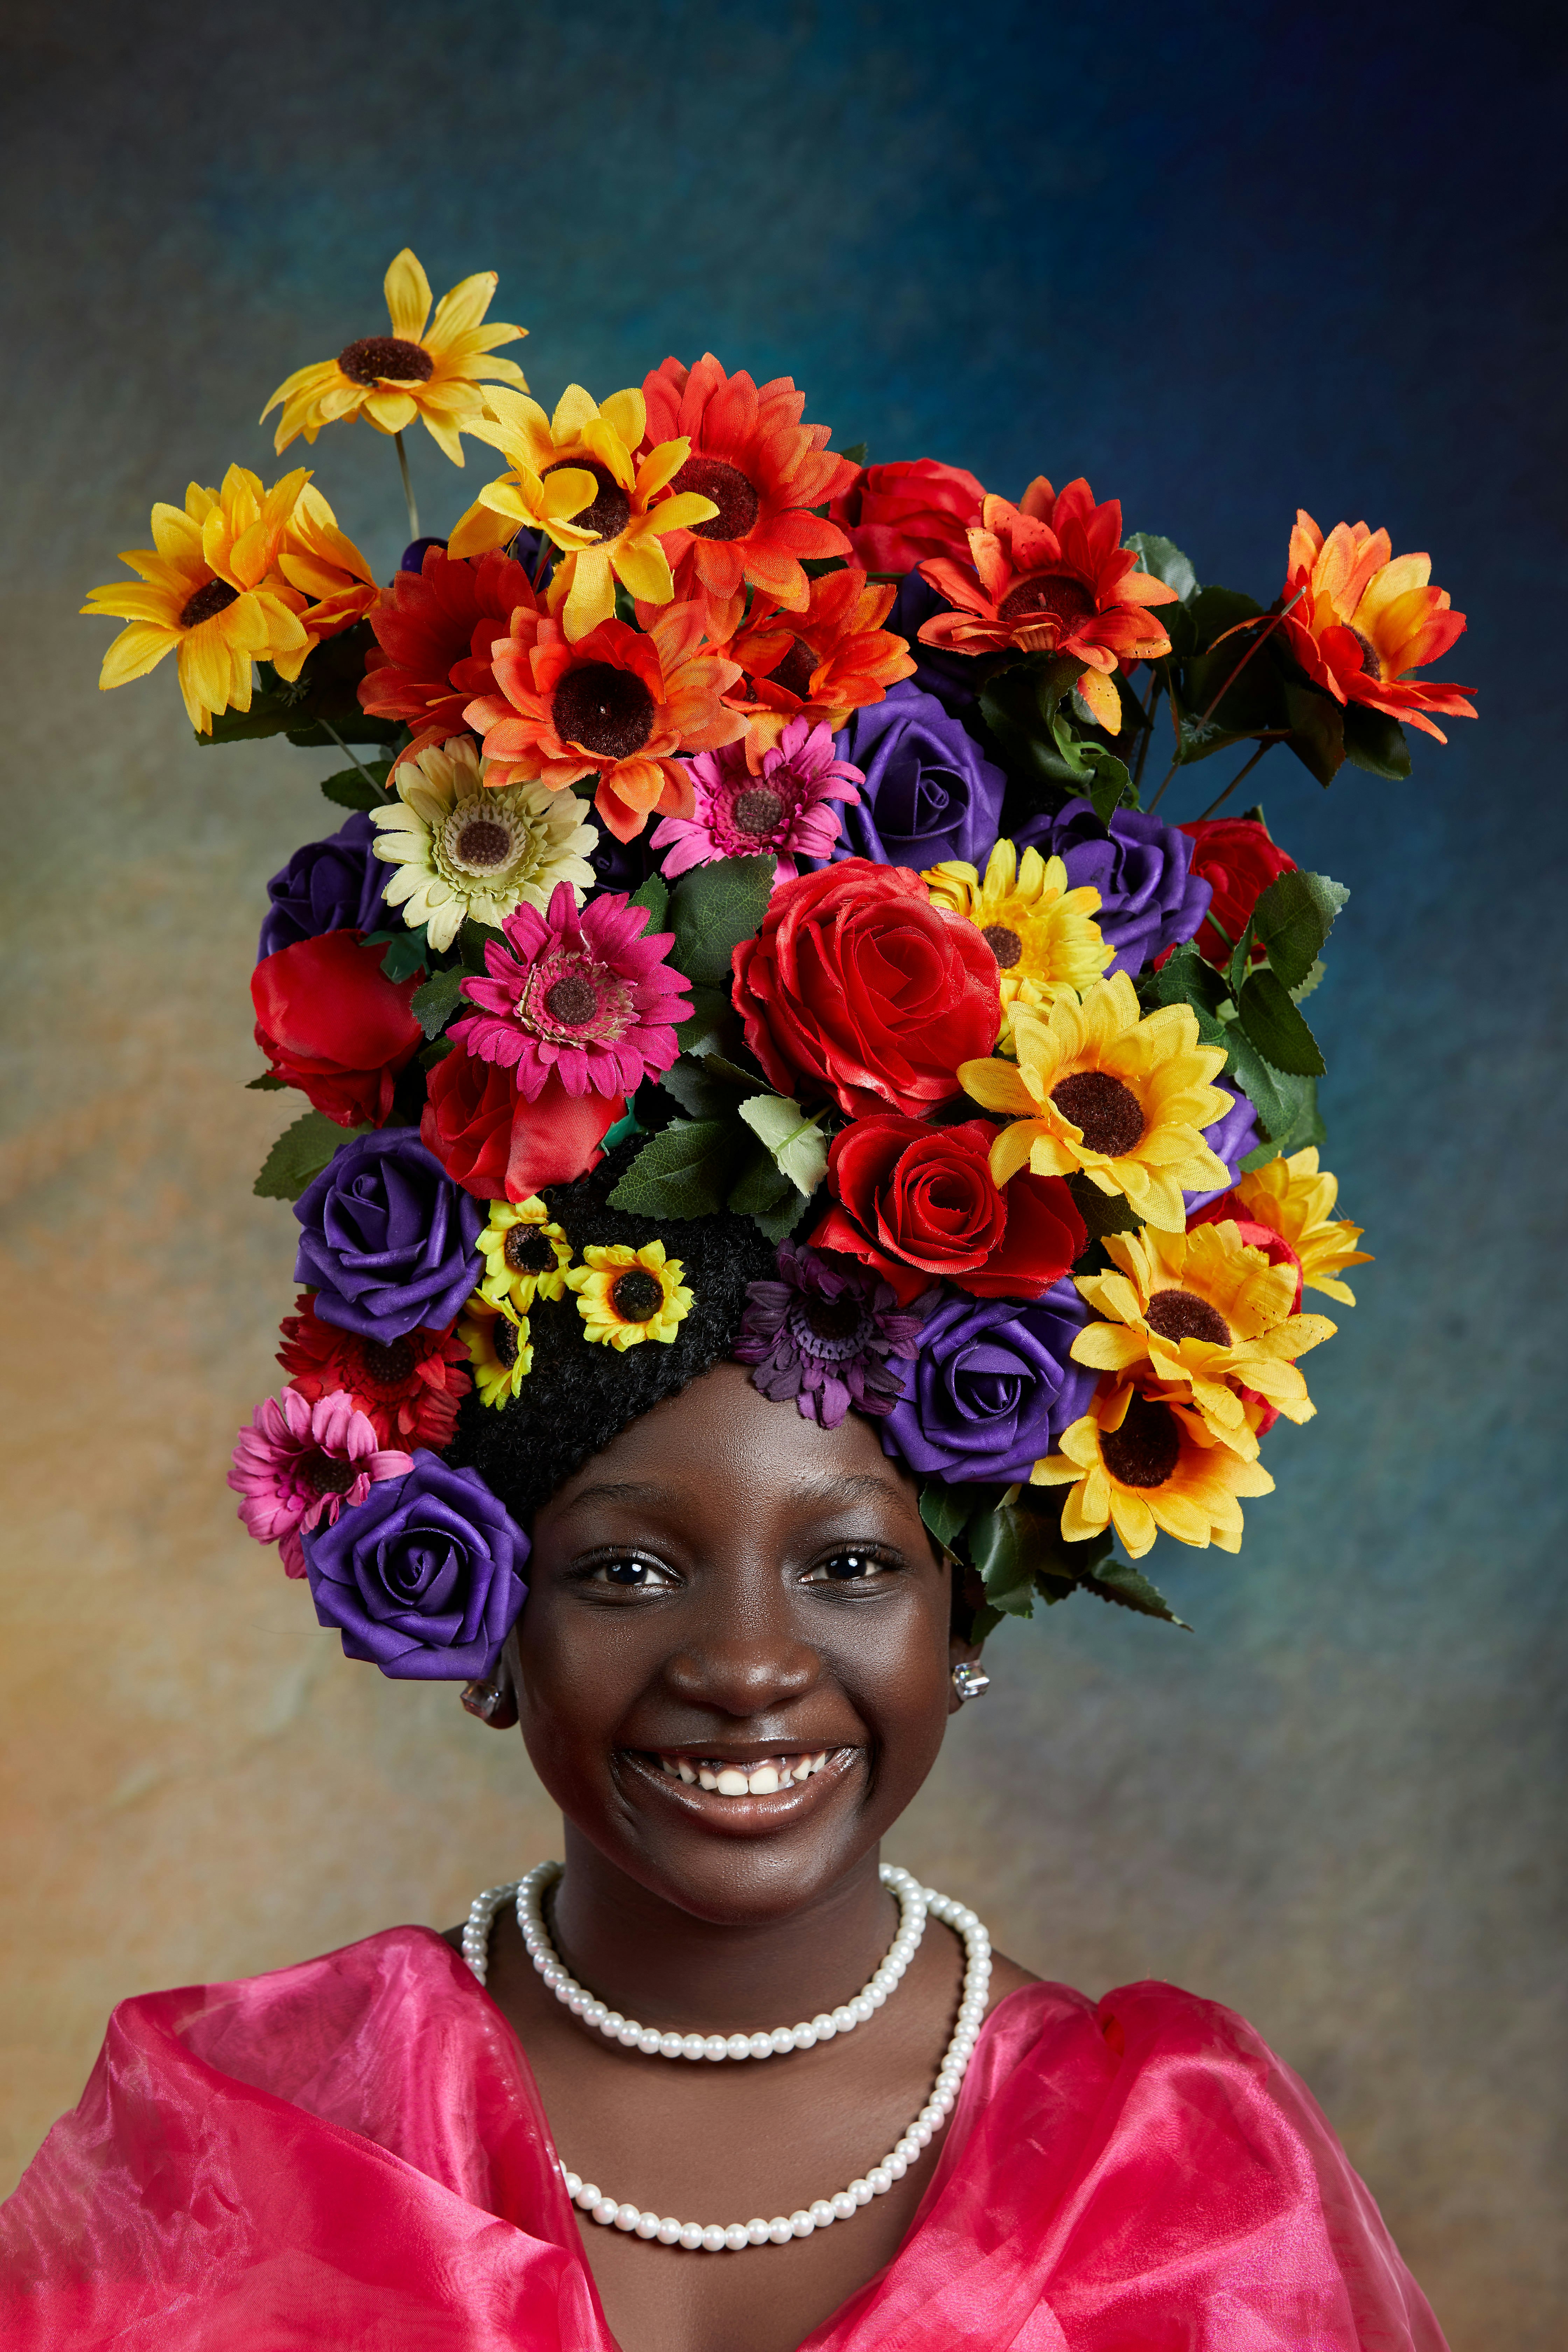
[[1296, 1198], [323, 563], [573, 476], [526, 1256], [392, 379], [1204, 1312], [1141, 1461], [1096, 1088], [626, 1296], [210, 586], [496, 1336], [1043, 936], [462, 848]]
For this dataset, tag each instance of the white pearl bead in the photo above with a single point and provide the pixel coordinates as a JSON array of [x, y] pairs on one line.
[[801, 2224], [931, 2115], [782, 2040], [736, 2236], [630, 2036], [824, 2026], [897, 2164], [875, 1999], [861, 2192], [920, 2133], [844, 2018], [804, 2037], [761, 2046], [757, 2232], [738, 2045], [844, 2206], [778, 2230], [648, 2225], [594, 2013], [605, 2212], [712, 2238], [648, 2042], [587, 2196], [863, 2010], [609, 2021], [692, 2045], [715, 2047], [626, 2216], [822, 2213], [577, 2001], [573, 2183], [691, 2236], [668, 2232], [672, 2046], [879, 2180]]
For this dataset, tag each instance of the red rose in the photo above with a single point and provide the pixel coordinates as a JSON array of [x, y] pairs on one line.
[[408, 1390], [331, 1023], [857, 986], [917, 1203], [898, 515], [498, 1146], [1235, 856]]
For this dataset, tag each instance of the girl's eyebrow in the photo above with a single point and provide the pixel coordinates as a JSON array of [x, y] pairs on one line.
[[827, 1490]]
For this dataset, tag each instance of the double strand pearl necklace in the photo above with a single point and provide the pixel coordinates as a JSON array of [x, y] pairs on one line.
[[714, 2237]]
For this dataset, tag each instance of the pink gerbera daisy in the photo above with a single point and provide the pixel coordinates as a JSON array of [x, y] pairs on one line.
[[579, 993], [785, 808], [298, 1463]]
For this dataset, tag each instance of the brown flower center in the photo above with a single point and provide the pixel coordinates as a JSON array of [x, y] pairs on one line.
[[737, 501], [386, 1365], [793, 673], [834, 1319], [1146, 1448], [377, 358], [483, 841], [611, 510], [758, 813], [1107, 1114], [527, 1251], [1058, 593], [1371, 660], [503, 1339], [605, 711], [213, 597], [1005, 946], [571, 1000], [1183, 1315], [328, 1476], [636, 1296]]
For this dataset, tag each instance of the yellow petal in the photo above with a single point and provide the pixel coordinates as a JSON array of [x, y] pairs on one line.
[[407, 291], [135, 651], [390, 412], [1104, 703], [626, 412], [459, 311], [641, 564], [1011, 1150], [478, 531], [997, 1085], [567, 492], [591, 598], [576, 409]]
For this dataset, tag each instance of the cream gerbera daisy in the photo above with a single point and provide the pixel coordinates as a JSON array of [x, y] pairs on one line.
[[1042, 935], [526, 1255], [465, 849], [1297, 1198], [497, 1339], [1139, 1463], [1095, 1088], [626, 1296], [1207, 1316]]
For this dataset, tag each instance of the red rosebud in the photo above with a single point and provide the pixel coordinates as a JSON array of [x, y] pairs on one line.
[[1236, 857], [499, 1146], [331, 1023], [857, 987], [898, 515], [917, 1203]]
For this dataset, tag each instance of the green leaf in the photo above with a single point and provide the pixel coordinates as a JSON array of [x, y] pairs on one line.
[[434, 1004], [1119, 1582], [325, 689], [654, 894], [1185, 978], [1317, 724], [1307, 1127], [407, 952], [1293, 918], [762, 1189], [1102, 1212], [359, 788], [794, 1140], [713, 908], [1164, 560], [855, 454], [701, 1093], [1304, 988], [472, 940], [686, 1171], [1277, 1030], [268, 1083], [1275, 1094], [300, 1153], [711, 1020], [1214, 610], [1109, 783], [947, 1510], [435, 1052], [621, 1132], [1376, 743]]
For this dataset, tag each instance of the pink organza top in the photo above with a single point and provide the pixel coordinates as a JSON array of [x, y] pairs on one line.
[[352, 2154]]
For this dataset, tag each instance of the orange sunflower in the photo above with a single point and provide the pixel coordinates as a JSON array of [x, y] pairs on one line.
[[619, 704], [1139, 1462], [323, 563], [392, 379], [764, 469], [822, 663], [1051, 575], [1366, 618]]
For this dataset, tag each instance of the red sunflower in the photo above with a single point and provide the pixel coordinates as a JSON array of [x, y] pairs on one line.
[[1051, 575], [619, 704], [1360, 619], [764, 469], [409, 1391], [822, 663], [433, 639]]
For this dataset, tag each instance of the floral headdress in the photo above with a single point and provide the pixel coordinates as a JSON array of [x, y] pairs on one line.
[[776, 825]]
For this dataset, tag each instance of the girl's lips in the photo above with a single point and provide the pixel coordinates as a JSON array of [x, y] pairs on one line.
[[724, 1810]]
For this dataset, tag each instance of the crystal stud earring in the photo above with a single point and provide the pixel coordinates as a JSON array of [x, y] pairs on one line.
[[969, 1680], [492, 1703]]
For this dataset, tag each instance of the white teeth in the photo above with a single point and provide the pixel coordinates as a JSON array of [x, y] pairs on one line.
[[669, 1767], [803, 1769], [687, 1774], [709, 1780], [767, 1779], [731, 1783], [763, 1783]]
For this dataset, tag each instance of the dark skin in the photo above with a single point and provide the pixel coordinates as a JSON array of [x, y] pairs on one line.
[[726, 1581]]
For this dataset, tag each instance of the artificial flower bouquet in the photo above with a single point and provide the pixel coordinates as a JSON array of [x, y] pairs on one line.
[[797, 828]]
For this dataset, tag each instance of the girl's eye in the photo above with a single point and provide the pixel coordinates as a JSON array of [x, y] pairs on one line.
[[853, 1565], [628, 1574]]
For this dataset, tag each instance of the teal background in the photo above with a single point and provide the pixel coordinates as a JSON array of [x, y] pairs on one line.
[[1225, 262]]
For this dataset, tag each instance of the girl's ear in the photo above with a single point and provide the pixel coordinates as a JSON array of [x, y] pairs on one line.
[[963, 1650]]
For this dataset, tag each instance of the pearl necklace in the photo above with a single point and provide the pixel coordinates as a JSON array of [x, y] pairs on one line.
[[716, 2238], [530, 1894]]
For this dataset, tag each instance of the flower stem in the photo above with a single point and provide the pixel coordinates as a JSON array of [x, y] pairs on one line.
[[359, 763], [1239, 777], [407, 486]]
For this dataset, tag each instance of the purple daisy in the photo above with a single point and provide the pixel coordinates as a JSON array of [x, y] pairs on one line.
[[583, 994], [824, 1337], [786, 808]]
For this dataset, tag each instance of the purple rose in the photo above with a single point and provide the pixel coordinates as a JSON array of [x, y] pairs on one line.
[[389, 1241], [1149, 896], [1230, 1139], [994, 1388], [327, 886], [422, 1577], [928, 793]]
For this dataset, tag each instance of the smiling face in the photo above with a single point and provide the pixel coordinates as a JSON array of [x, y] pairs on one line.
[[728, 1594]]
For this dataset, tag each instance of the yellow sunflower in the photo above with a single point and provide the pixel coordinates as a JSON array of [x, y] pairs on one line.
[[626, 1296], [526, 1256], [392, 379], [572, 476], [1296, 1198], [210, 586], [1096, 1088], [1043, 936], [1203, 1311], [323, 563], [496, 1336], [1142, 1462]]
